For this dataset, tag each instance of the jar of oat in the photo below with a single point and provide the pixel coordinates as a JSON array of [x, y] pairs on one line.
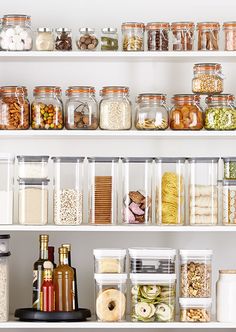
[[183, 36], [230, 36], [195, 310], [133, 36], [208, 36], [115, 108], [208, 78]]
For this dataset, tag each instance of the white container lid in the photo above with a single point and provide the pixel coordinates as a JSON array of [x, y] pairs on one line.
[[152, 278], [115, 253], [195, 302], [195, 253], [152, 252], [110, 278]]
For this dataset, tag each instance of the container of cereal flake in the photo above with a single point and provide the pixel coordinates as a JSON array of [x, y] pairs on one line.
[[195, 310], [33, 167], [115, 108], [207, 78], [229, 202], [229, 168], [4, 282], [109, 260], [133, 36]]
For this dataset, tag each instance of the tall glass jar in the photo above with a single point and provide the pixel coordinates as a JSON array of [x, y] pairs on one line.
[[109, 39], [183, 36], [81, 108], [87, 40], [47, 108], [115, 108], [63, 41], [230, 36], [151, 112], [133, 36], [44, 39], [207, 78], [16, 33], [6, 189], [220, 113], [208, 36], [136, 190], [4, 285], [158, 36], [14, 108]]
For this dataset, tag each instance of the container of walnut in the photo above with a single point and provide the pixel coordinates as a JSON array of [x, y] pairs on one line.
[[195, 310]]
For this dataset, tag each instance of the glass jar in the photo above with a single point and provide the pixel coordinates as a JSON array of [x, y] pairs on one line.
[[229, 168], [225, 296], [81, 108], [68, 190], [87, 40], [195, 310], [186, 114], [229, 202], [207, 78], [183, 36], [109, 260], [170, 190], [4, 243], [220, 113], [110, 295], [32, 167], [47, 108], [151, 112], [136, 190], [4, 286], [203, 191], [133, 36], [158, 36], [230, 36], [14, 108], [109, 39], [195, 273], [16, 33], [115, 108], [102, 190], [153, 297], [152, 260], [6, 189], [33, 201], [44, 39], [208, 36], [63, 41]]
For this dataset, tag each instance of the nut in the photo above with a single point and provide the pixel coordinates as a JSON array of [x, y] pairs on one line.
[[195, 315], [46, 116]]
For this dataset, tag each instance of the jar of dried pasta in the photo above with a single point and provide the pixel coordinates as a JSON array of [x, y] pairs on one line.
[[208, 36], [133, 36], [207, 78], [230, 36], [183, 36]]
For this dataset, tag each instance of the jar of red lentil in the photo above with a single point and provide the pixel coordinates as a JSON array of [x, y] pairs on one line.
[[158, 36], [183, 36], [230, 36], [208, 36]]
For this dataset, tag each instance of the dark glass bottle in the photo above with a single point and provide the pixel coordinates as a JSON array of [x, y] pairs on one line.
[[51, 256]]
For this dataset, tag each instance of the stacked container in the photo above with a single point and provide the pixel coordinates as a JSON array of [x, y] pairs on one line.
[[229, 191], [6, 189]]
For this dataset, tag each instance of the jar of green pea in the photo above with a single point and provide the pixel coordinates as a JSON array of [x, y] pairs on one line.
[[229, 168]]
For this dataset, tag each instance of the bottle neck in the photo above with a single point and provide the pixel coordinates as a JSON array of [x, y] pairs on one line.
[[69, 258], [63, 259], [43, 250]]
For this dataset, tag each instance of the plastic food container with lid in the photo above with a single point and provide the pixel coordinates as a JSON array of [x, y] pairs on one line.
[[208, 78], [152, 260], [229, 202], [230, 36], [33, 167], [153, 297], [229, 168], [195, 310], [208, 36], [111, 300], [158, 36], [109, 260], [183, 36], [133, 36], [4, 278], [6, 188]]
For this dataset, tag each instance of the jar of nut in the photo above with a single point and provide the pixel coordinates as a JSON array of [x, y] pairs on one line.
[[208, 78], [195, 310], [87, 40], [14, 108], [208, 36], [183, 36], [158, 36], [47, 108], [63, 41], [133, 36], [81, 108]]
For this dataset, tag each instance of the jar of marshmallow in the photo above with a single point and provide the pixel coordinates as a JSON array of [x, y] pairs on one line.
[[16, 33]]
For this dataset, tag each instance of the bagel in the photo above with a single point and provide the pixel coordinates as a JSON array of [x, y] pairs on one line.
[[110, 305]]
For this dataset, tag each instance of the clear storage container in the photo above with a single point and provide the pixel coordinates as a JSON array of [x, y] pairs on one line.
[[32, 167], [230, 36], [195, 273], [4, 286], [153, 297], [225, 296], [68, 190], [229, 168], [4, 243], [102, 190], [158, 36], [136, 197], [133, 36], [63, 41], [183, 36], [195, 310], [203, 191], [6, 189], [170, 191], [87, 40], [33, 201], [151, 112], [208, 78], [229, 202], [44, 39], [109, 39], [208, 36], [109, 260], [110, 297], [152, 260]]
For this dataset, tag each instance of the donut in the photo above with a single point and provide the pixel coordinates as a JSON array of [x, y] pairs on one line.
[[110, 305]]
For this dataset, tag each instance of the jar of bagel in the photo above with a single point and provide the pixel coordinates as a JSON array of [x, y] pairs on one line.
[[110, 297]]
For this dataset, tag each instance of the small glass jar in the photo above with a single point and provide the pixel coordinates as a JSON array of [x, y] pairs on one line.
[[109, 39], [81, 108], [229, 168], [109, 260], [151, 112], [220, 113], [195, 310], [14, 108], [4, 243], [111, 300], [47, 108], [153, 297], [230, 36], [208, 36], [63, 39], [133, 36], [195, 273], [44, 39], [207, 78], [225, 296], [4, 286], [158, 36], [183, 36], [115, 108], [6, 189], [87, 40], [186, 114], [16, 33], [229, 202], [32, 167], [170, 190]]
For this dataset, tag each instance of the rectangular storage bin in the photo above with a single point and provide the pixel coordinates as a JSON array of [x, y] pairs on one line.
[[195, 310], [229, 202], [6, 188], [229, 168], [109, 260], [32, 167]]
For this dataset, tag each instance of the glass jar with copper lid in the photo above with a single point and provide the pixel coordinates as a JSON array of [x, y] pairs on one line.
[[230, 36], [208, 78], [133, 36], [186, 114], [220, 113], [14, 108], [115, 108], [151, 112], [158, 36], [16, 33], [183, 36], [208, 36], [81, 108], [47, 108]]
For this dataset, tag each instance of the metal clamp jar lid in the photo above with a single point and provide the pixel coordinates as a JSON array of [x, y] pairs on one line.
[[106, 90], [133, 25], [10, 18], [182, 25], [47, 90], [185, 98], [80, 89], [208, 25], [154, 97], [157, 25], [209, 67], [219, 98], [17, 90]]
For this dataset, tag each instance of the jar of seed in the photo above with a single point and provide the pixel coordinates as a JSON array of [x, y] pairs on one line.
[[109, 39], [207, 79], [133, 36]]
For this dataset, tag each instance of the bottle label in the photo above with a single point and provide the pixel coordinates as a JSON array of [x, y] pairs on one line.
[[37, 282]]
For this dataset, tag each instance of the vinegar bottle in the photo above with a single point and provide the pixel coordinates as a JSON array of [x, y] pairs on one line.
[[47, 292]]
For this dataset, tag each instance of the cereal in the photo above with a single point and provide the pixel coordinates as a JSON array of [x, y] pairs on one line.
[[195, 315], [115, 115]]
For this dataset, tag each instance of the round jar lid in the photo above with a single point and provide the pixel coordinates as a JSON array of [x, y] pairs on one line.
[[157, 25], [186, 98], [30, 159], [133, 25], [114, 89], [151, 96], [80, 89], [47, 89], [109, 30], [14, 89], [152, 278], [5, 236], [195, 302], [208, 25], [228, 25], [221, 97], [60, 30], [110, 278], [182, 25], [195, 253], [157, 253], [17, 17], [42, 29], [207, 66], [86, 30], [116, 253]]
